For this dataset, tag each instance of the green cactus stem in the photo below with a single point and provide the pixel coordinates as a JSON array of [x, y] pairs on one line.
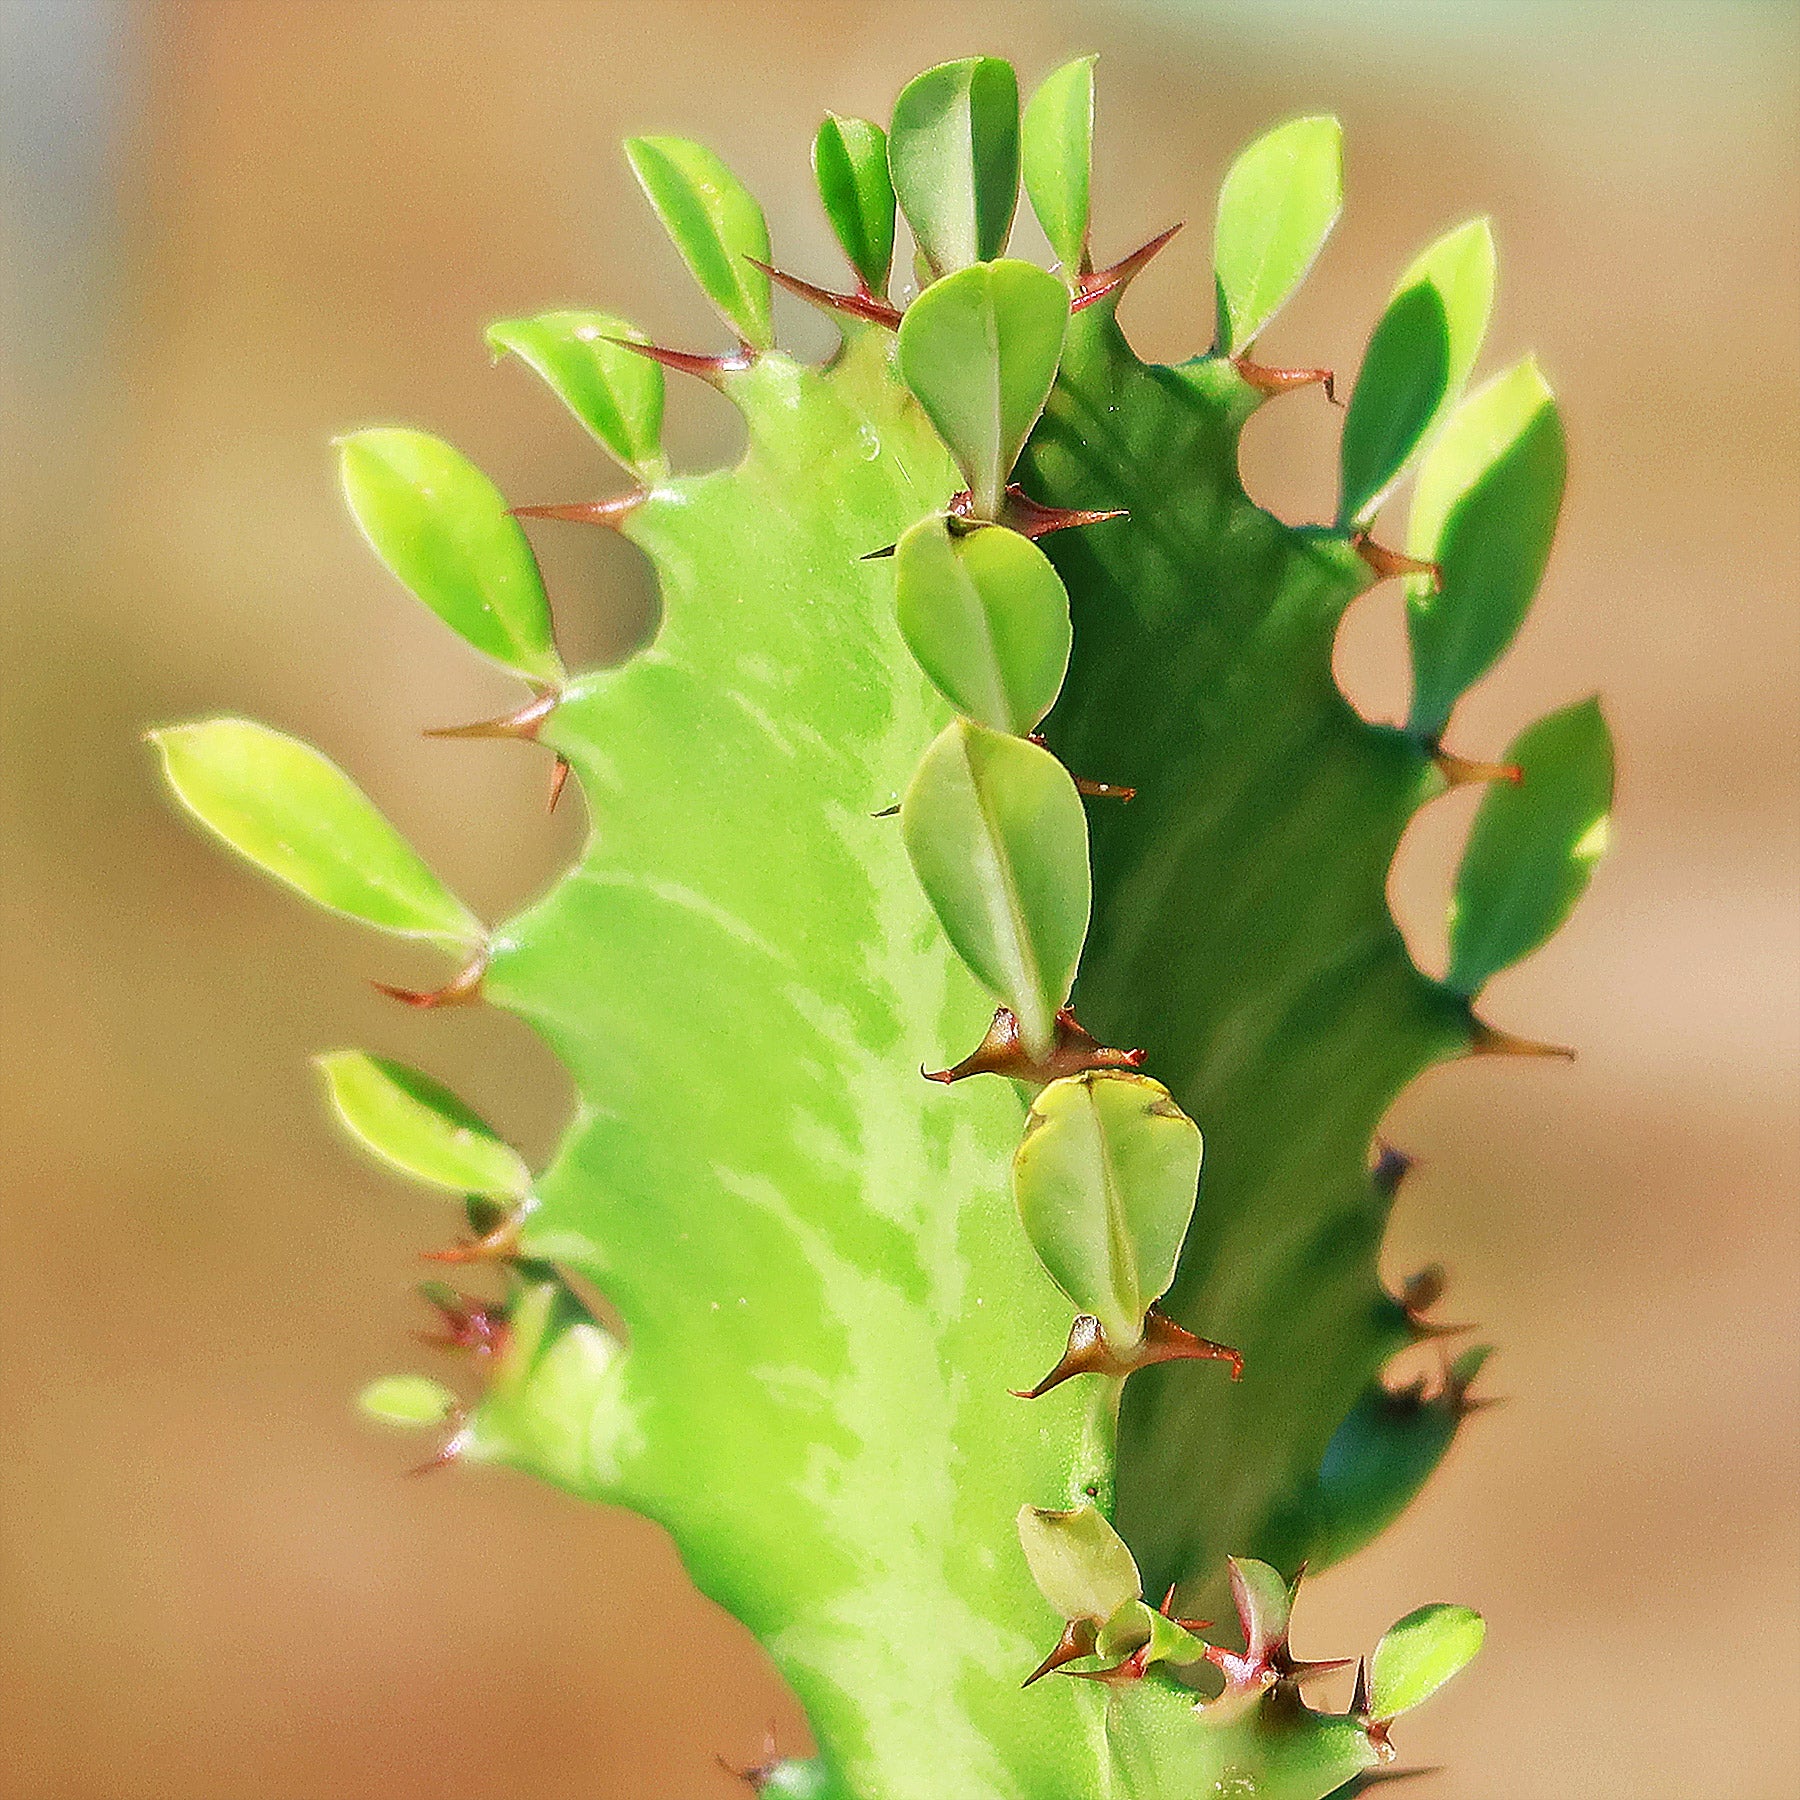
[[911, 1364]]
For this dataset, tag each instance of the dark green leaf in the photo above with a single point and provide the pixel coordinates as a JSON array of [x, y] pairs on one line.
[[1276, 208], [294, 813], [1533, 846], [442, 527], [1058, 157], [850, 163], [987, 617], [614, 392], [1485, 512], [979, 350], [1403, 378], [953, 151], [717, 226]]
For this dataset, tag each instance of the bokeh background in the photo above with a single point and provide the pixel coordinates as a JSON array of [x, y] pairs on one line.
[[234, 228]]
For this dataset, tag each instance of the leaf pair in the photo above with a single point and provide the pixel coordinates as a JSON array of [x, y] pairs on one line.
[[1105, 1180]]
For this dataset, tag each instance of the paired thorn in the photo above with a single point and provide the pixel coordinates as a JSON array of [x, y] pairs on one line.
[[1088, 1353], [1387, 563], [1460, 771], [478, 1326], [871, 308], [1489, 1040], [497, 1245], [1271, 382], [710, 369], [1419, 1293], [1098, 284], [451, 1452], [522, 725], [1019, 512], [611, 512], [462, 989], [1001, 1052], [1077, 1641], [758, 1775], [1097, 790]]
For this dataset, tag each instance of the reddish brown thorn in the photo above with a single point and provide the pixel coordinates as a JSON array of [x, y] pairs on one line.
[[1377, 1733], [1089, 1353], [758, 1775], [492, 1246], [1418, 1295], [1028, 517], [1168, 1600], [1001, 1053], [860, 305], [462, 989], [1097, 284], [709, 369], [1387, 563], [887, 812], [1121, 1674], [1076, 1642], [559, 777], [523, 724], [611, 512], [1098, 790], [450, 1453], [1488, 1040], [1459, 771], [470, 1324], [1391, 1168], [1305, 1671], [1285, 381], [1359, 1695]]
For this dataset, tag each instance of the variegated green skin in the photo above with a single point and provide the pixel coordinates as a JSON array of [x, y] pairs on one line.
[[825, 1285]]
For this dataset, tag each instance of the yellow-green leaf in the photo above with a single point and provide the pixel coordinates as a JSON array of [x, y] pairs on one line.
[[1058, 143], [412, 1402], [442, 527], [297, 815], [1080, 1564], [1419, 1654]]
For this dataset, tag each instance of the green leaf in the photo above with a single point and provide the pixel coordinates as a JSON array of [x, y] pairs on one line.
[[1419, 1654], [996, 834], [987, 617], [411, 1401], [1058, 145], [1105, 1181], [416, 1125], [614, 392], [953, 151], [1485, 512], [1418, 359], [850, 163], [1276, 208], [1136, 1626], [717, 226], [979, 350], [442, 527], [1264, 1603], [291, 811], [1533, 846], [1080, 1564]]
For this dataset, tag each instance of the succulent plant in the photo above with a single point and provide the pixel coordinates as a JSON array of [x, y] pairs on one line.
[[926, 1338]]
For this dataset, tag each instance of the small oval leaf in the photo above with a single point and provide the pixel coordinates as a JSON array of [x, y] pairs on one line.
[[1136, 1627], [979, 351], [1080, 1564], [1418, 359], [998, 839], [297, 815], [988, 619], [953, 152], [1533, 847], [416, 1125], [850, 164], [717, 226], [1105, 1181], [1419, 1654], [1276, 208], [1484, 512], [442, 527], [614, 392], [1058, 156], [413, 1402]]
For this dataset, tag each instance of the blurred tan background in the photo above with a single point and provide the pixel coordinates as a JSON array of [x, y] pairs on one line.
[[235, 228]]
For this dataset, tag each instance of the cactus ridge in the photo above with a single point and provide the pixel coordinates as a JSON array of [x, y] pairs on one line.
[[830, 1314]]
